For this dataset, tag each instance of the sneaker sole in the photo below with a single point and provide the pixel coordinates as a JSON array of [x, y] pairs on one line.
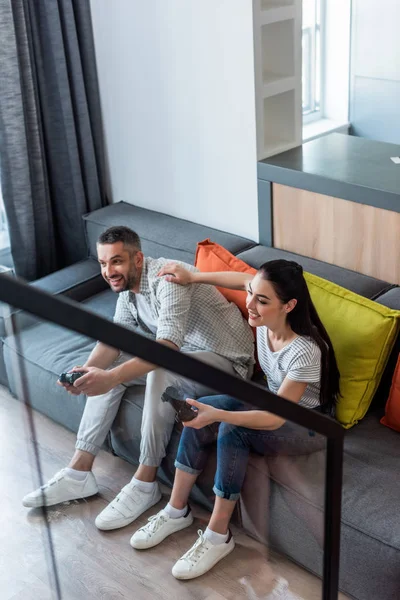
[[110, 525], [186, 576], [38, 502], [154, 544]]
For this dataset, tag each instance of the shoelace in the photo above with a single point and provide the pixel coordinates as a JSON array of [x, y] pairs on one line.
[[193, 555], [154, 523]]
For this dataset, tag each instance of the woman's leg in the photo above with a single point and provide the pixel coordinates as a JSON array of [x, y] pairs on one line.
[[191, 458], [183, 484], [217, 542], [221, 515], [193, 451], [233, 448], [232, 457]]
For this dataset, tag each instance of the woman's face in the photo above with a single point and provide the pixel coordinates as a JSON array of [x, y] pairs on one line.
[[264, 306]]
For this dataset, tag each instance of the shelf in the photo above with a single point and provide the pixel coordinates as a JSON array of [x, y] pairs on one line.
[[279, 122], [277, 50], [276, 84], [277, 14], [277, 26], [266, 4]]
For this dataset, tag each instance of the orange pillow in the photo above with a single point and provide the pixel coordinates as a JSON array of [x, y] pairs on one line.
[[211, 257], [392, 411]]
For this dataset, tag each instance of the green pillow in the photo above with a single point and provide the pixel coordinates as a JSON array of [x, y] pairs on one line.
[[363, 334]]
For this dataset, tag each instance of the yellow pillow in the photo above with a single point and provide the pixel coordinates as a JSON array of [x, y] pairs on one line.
[[362, 333]]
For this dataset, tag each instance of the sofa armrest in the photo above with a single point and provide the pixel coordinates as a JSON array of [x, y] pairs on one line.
[[79, 281]]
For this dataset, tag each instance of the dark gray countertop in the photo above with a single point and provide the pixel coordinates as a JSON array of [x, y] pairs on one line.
[[342, 166]]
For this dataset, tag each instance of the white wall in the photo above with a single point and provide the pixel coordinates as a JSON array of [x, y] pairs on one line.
[[375, 70], [177, 91]]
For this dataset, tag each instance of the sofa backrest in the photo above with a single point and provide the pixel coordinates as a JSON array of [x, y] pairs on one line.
[[161, 235]]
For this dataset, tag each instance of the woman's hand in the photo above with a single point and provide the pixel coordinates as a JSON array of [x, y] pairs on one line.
[[176, 273], [206, 415]]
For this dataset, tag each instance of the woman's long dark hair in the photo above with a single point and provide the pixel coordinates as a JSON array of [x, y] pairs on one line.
[[287, 279]]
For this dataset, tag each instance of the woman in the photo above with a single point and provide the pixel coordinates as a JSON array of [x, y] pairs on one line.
[[298, 359]]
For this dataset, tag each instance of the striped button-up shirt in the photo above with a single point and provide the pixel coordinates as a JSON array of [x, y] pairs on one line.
[[194, 317]]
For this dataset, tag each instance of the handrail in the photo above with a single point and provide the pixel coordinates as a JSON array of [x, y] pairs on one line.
[[70, 314]]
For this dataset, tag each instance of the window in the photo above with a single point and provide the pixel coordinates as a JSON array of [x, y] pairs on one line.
[[4, 238], [312, 60]]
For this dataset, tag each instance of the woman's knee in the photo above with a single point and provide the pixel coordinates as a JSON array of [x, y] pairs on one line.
[[231, 435]]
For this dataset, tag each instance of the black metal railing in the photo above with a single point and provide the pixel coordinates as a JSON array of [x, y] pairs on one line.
[[67, 313]]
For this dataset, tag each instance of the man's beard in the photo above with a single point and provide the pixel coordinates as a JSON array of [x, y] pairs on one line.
[[129, 282]]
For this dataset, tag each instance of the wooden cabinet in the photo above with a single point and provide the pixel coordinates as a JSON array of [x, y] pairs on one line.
[[344, 233]]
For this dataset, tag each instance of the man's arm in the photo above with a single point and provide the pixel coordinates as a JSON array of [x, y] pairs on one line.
[[96, 381], [175, 304], [102, 356]]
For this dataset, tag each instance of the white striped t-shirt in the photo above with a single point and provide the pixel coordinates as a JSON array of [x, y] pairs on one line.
[[300, 360]]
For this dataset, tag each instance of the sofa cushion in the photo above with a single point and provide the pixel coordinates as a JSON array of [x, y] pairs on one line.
[[391, 299], [214, 257], [351, 280], [161, 235], [363, 334], [392, 411]]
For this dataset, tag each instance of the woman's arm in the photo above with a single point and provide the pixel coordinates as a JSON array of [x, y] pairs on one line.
[[253, 419], [177, 274]]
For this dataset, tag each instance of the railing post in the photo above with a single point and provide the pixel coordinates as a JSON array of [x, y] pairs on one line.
[[333, 506]]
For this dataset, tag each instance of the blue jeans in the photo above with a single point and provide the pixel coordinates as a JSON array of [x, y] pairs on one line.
[[234, 445]]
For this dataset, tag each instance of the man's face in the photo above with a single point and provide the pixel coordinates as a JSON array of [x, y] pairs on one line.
[[121, 266]]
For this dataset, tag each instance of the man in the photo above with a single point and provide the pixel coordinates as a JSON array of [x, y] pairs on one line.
[[194, 319]]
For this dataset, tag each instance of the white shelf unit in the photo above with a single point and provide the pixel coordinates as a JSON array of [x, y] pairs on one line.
[[277, 62]]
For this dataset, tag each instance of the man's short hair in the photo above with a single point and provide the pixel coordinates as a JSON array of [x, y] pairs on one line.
[[120, 233]]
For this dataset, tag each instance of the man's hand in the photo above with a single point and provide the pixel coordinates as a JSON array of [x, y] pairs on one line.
[[176, 273], [67, 386], [206, 415], [94, 382]]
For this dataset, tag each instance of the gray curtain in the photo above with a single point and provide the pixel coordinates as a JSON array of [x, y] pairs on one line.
[[51, 145]]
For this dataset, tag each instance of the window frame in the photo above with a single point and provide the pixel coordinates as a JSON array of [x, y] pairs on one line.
[[315, 114]]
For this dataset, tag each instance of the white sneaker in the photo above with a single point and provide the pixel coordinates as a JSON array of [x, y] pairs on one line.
[[61, 488], [158, 528], [201, 557], [130, 503]]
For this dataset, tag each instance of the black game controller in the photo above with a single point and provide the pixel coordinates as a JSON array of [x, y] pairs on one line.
[[184, 412], [70, 377]]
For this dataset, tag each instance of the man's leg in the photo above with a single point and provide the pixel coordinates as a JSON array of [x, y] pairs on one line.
[[77, 481], [194, 447], [158, 420], [159, 417]]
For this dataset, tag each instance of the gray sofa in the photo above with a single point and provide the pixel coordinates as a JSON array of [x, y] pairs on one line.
[[282, 499]]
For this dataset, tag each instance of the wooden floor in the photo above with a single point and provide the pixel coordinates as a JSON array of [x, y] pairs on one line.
[[101, 565]]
